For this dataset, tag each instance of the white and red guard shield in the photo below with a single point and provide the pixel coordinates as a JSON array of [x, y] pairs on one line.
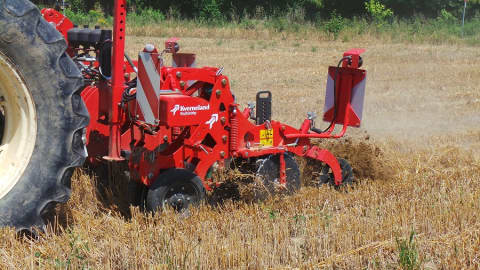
[[350, 92], [148, 86]]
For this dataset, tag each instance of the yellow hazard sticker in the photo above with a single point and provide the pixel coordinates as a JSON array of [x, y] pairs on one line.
[[266, 137]]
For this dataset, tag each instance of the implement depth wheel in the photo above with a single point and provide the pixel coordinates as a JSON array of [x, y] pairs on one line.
[[326, 174], [42, 116], [269, 173], [176, 188]]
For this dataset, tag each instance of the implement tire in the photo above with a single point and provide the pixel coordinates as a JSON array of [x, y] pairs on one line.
[[176, 188], [43, 116]]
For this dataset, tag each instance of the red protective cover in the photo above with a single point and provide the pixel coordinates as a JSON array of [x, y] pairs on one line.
[[350, 93], [181, 110], [183, 60], [57, 19]]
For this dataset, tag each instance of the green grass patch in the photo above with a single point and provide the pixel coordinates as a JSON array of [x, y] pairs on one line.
[[407, 253]]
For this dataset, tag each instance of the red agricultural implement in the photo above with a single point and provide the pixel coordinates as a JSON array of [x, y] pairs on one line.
[[173, 125]]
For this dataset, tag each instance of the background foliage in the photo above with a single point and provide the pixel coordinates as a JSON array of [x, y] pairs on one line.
[[433, 21], [313, 9]]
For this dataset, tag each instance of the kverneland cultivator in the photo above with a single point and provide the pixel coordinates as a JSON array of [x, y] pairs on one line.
[[173, 125]]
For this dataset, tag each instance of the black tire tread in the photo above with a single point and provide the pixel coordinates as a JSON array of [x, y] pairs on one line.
[[347, 175], [43, 38]]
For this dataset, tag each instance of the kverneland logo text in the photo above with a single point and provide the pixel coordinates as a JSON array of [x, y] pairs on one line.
[[189, 110]]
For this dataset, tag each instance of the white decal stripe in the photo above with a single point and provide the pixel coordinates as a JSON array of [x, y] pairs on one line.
[[144, 105], [329, 96], [152, 73], [358, 95]]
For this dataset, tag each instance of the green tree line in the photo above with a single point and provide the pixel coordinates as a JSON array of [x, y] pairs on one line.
[[311, 9]]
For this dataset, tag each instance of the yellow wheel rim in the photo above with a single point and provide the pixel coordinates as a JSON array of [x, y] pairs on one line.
[[19, 128]]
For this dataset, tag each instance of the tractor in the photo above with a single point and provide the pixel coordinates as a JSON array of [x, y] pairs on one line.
[[70, 94]]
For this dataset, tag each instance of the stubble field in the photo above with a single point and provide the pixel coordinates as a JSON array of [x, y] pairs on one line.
[[416, 157]]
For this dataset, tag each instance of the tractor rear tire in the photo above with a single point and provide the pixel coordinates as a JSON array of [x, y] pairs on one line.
[[42, 116]]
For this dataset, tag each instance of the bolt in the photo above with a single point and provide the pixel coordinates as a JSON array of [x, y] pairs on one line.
[[150, 176], [137, 116], [149, 48], [224, 138], [224, 82], [182, 84], [179, 74], [223, 120], [165, 138], [218, 93], [222, 154]]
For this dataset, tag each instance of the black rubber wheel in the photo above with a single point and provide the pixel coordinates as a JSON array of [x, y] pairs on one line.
[[137, 194], [34, 52], [326, 174], [269, 172], [176, 188]]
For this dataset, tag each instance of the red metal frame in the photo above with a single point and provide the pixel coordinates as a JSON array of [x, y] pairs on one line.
[[117, 87], [196, 123]]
